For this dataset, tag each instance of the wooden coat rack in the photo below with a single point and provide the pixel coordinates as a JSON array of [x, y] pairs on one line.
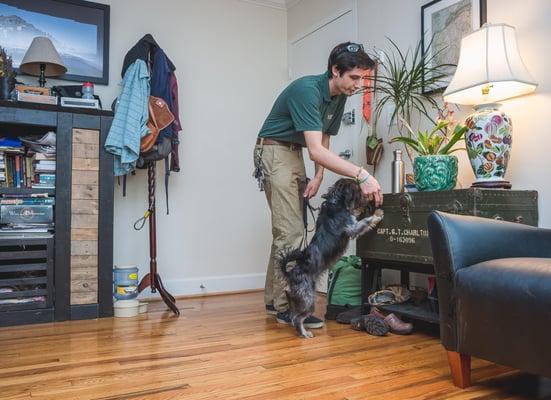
[[153, 279]]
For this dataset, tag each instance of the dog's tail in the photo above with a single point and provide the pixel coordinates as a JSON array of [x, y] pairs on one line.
[[286, 256]]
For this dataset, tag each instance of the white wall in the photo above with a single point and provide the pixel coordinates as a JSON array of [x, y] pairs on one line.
[[400, 20], [307, 13], [231, 63]]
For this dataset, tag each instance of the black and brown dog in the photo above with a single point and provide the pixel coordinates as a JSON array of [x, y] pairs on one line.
[[336, 224]]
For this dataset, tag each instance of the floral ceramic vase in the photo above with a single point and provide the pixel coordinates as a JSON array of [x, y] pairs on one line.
[[435, 172], [488, 142]]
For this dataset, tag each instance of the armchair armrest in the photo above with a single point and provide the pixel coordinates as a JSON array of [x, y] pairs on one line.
[[459, 240]]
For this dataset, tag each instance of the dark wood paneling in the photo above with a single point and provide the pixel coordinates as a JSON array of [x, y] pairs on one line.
[[86, 121], [63, 217], [27, 116], [106, 194], [84, 311], [27, 317], [50, 107]]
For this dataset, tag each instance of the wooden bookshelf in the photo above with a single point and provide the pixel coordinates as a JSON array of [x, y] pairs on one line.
[[81, 277]]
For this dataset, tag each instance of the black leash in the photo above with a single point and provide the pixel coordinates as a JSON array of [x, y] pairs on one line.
[[306, 206]]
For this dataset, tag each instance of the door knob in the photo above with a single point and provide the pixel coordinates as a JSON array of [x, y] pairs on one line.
[[345, 154]]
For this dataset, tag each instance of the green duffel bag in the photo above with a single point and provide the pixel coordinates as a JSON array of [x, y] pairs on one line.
[[344, 286]]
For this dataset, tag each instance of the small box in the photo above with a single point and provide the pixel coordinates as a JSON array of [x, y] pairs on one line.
[[44, 91], [25, 214], [79, 102], [36, 98]]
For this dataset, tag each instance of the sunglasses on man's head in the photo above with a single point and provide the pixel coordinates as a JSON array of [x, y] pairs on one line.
[[354, 47], [351, 48]]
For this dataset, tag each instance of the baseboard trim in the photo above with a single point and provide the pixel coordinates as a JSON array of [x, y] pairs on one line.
[[210, 286]]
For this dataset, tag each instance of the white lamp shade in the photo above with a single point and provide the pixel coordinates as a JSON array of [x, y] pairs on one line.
[[489, 58], [42, 51]]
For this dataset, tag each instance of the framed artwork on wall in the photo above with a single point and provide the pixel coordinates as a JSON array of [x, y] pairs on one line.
[[443, 24], [78, 29]]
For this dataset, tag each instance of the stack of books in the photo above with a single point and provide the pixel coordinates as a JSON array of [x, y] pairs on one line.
[[28, 162], [26, 214], [44, 171]]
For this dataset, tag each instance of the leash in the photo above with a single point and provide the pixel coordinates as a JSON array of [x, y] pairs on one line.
[[140, 222], [306, 206]]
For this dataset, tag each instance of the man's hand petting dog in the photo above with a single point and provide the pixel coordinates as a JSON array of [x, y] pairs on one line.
[[371, 189], [336, 224]]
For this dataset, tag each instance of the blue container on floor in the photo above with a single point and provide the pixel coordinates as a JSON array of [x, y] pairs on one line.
[[125, 282]]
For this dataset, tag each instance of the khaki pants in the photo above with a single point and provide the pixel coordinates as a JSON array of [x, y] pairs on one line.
[[284, 185]]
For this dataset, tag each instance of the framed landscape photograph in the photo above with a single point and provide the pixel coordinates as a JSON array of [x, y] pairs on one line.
[[443, 25], [78, 29]]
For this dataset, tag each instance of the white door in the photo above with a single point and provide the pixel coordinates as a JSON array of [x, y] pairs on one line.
[[308, 56]]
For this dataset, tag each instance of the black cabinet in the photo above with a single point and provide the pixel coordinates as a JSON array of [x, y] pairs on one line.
[[78, 273]]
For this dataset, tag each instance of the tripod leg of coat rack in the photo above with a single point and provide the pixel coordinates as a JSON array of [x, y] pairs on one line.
[[153, 279]]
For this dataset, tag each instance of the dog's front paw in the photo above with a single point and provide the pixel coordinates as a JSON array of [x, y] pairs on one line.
[[379, 213], [307, 335]]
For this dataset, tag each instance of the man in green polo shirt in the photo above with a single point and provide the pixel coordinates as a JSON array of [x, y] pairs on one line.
[[306, 114]]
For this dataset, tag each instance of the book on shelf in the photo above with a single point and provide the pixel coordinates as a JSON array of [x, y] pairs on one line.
[[26, 228], [26, 195], [23, 200], [21, 214], [45, 157]]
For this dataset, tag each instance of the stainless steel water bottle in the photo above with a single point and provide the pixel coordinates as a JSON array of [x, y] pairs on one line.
[[397, 172]]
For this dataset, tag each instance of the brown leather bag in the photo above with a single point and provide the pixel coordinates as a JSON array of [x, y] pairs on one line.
[[159, 118]]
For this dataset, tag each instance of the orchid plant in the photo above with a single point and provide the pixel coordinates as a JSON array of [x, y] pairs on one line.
[[440, 140]]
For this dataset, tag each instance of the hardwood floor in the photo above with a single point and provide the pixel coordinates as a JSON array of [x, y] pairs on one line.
[[225, 347]]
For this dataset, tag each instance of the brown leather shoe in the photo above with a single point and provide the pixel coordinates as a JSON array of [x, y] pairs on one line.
[[395, 324]]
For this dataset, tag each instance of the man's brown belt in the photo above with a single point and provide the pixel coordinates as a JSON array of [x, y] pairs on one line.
[[272, 142]]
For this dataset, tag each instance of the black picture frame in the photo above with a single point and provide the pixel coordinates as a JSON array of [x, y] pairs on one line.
[[79, 28], [446, 34]]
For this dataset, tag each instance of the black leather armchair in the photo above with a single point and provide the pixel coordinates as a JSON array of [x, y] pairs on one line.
[[494, 292]]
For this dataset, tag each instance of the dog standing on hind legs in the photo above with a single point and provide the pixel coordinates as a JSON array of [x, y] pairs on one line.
[[336, 224]]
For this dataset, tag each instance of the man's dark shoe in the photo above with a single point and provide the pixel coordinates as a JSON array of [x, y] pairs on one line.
[[270, 309], [371, 324], [346, 316], [311, 322], [395, 324]]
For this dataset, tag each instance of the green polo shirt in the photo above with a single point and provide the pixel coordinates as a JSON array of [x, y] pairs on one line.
[[304, 105]]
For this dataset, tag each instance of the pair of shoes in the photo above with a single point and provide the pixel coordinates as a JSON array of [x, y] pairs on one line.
[[346, 316], [395, 324], [270, 309], [371, 324], [311, 322]]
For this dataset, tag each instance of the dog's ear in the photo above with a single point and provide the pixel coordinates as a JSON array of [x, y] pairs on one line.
[[331, 196], [345, 193], [352, 195]]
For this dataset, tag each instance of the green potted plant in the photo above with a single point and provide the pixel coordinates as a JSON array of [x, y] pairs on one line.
[[401, 83], [434, 167], [7, 75]]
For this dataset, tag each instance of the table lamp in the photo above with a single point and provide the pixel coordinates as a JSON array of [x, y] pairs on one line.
[[490, 69], [42, 59]]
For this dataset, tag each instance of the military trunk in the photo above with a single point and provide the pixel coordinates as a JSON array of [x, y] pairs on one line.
[[402, 236]]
